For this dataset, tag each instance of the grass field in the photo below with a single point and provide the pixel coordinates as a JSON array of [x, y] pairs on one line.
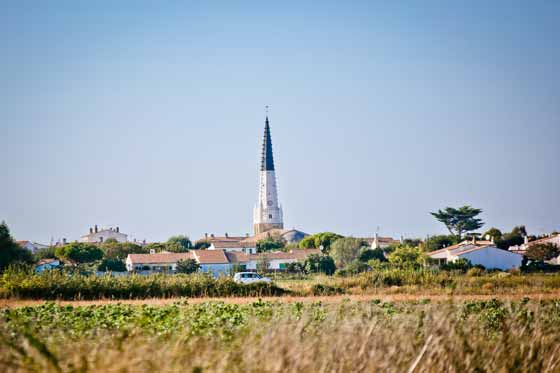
[[342, 334]]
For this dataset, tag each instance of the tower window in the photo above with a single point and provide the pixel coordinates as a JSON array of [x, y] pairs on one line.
[[270, 216]]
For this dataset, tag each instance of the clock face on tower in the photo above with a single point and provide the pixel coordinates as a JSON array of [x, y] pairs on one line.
[[269, 203]]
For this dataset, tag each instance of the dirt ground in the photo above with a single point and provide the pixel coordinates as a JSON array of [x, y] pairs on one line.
[[10, 303]]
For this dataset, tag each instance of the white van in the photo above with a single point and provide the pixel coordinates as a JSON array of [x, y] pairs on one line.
[[249, 277]]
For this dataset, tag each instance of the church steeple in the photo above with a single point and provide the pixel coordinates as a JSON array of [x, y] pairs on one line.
[[267, 214], [267, 160]]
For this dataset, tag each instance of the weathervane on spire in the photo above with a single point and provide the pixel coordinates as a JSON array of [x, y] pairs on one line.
[[266, 110]]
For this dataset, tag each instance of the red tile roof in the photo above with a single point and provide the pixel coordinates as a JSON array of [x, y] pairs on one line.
[[210, 256], [159, 258]]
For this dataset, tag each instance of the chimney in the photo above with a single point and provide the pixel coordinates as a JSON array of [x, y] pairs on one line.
[[90, 230], [144, 241], [96, 228], [205, 235], [118, 230], [212, 235], [226, 235], [64, 241], [246, 234]]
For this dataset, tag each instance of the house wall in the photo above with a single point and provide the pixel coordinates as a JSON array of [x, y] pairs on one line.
[[154, 267], [103, 236], [217, 269], [247, 250], [491, 257]]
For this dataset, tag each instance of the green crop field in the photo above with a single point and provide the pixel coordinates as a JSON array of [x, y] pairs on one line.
[[343, 336]]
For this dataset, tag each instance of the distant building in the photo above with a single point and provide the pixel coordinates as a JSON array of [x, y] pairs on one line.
[[155, 262], [97, 235], [522, 249], [484, 253], [381, 242], [248, 245], [31, 246], [217, 262]]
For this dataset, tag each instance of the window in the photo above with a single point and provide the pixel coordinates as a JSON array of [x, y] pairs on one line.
[[270, 216], [282, 266]]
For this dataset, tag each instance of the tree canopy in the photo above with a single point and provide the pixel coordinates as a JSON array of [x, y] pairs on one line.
[[120, 250], [79, 252], [180, 243], [10, 251], [346, 250], [270, 244], [542, 252], [317, 240], [187, 266], [317, 263], [437, 242], [459, 220], [407, 256]]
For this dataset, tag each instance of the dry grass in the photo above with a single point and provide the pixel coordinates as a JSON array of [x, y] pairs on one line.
[[351, 337], [333, 299]]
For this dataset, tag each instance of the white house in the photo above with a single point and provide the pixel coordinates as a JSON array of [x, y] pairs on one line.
[[156, 262], [31, 246], [97, 235], [522, 249], [483, 253], [216, 262], [46, 264]]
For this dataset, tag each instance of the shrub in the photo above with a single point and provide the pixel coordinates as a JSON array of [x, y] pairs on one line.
[[187, 266], [317, 263], [114, 265], [458, 265], [407, 256], [79, 252], [369, 254], [58, 285], [475, 272], [321, 289]]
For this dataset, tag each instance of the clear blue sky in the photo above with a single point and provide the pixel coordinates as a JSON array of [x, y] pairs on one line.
[[149, 115]]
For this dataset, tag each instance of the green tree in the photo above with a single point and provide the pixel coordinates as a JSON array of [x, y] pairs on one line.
[[44, 253], [156, 246], [317, 240], [513, 238], [79, 252], [318, 263], [113, 265], [270, 244], [459, 220], [367, 254], [120, 250], [407, 256], [437, 242], [10, 251], [180, 243], [187, 266], [346, 250], [201, 245], [542, 252], [494, 233]]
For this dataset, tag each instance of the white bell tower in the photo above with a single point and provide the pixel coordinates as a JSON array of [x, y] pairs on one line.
[[267, 214]]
